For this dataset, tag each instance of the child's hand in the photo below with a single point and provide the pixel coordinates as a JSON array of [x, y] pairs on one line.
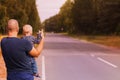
[[42, 34], [39, 31]]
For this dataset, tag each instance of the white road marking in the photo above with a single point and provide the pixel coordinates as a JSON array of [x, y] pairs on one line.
[[114, 66], [43, 68]]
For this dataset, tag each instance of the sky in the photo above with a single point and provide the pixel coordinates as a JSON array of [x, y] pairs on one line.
[[48, 8]]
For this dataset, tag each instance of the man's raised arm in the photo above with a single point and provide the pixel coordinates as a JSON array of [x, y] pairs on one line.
[[35, 52]]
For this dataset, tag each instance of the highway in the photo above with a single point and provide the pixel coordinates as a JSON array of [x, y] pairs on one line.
[[65, 58]]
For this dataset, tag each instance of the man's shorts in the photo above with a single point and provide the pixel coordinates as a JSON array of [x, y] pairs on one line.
[[19, 76]]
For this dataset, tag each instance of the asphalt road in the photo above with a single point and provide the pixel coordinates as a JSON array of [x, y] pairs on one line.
[[65, 58]]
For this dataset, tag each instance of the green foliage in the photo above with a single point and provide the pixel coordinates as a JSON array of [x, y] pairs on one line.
[[89, 17], [65, 16], [96, 16], [61, 22], [24, 11], [3, 18], [83, 16], [52, 24]]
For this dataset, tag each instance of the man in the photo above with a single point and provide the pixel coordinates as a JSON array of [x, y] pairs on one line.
[[16, 53]]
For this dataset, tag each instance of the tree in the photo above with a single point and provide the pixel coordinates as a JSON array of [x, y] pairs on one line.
[[62, 21], [65, 16], [19, 9], [90, 17], [52, 24], [83, 16], [96, 16], [3, 19], [109, 17]]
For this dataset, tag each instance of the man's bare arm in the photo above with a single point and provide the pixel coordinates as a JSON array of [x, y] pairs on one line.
[[35, 52]]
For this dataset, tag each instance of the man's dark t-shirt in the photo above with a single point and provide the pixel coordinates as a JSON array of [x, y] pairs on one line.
[[16, 54]]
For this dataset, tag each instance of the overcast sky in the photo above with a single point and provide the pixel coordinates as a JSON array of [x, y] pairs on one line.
[[48, 8]]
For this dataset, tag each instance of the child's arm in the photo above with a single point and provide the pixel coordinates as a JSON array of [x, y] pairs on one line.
[[38, 38]]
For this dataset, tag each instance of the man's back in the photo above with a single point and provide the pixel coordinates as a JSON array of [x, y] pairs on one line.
[[16, 54]]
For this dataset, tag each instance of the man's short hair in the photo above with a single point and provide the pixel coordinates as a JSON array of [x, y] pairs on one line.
[[13, 25]]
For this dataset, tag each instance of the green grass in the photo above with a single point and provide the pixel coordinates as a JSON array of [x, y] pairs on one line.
[[111, 41]]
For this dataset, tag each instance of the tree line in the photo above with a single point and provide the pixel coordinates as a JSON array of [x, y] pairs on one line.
[[24, 11], [90, 17]]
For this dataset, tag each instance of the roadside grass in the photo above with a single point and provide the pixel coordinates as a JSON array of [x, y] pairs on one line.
[[2, 65], [111, 41]]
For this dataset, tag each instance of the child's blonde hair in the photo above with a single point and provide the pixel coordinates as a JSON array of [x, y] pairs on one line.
[[27, 29]]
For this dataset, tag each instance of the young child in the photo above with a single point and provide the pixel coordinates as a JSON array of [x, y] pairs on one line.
[[27, 32]]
